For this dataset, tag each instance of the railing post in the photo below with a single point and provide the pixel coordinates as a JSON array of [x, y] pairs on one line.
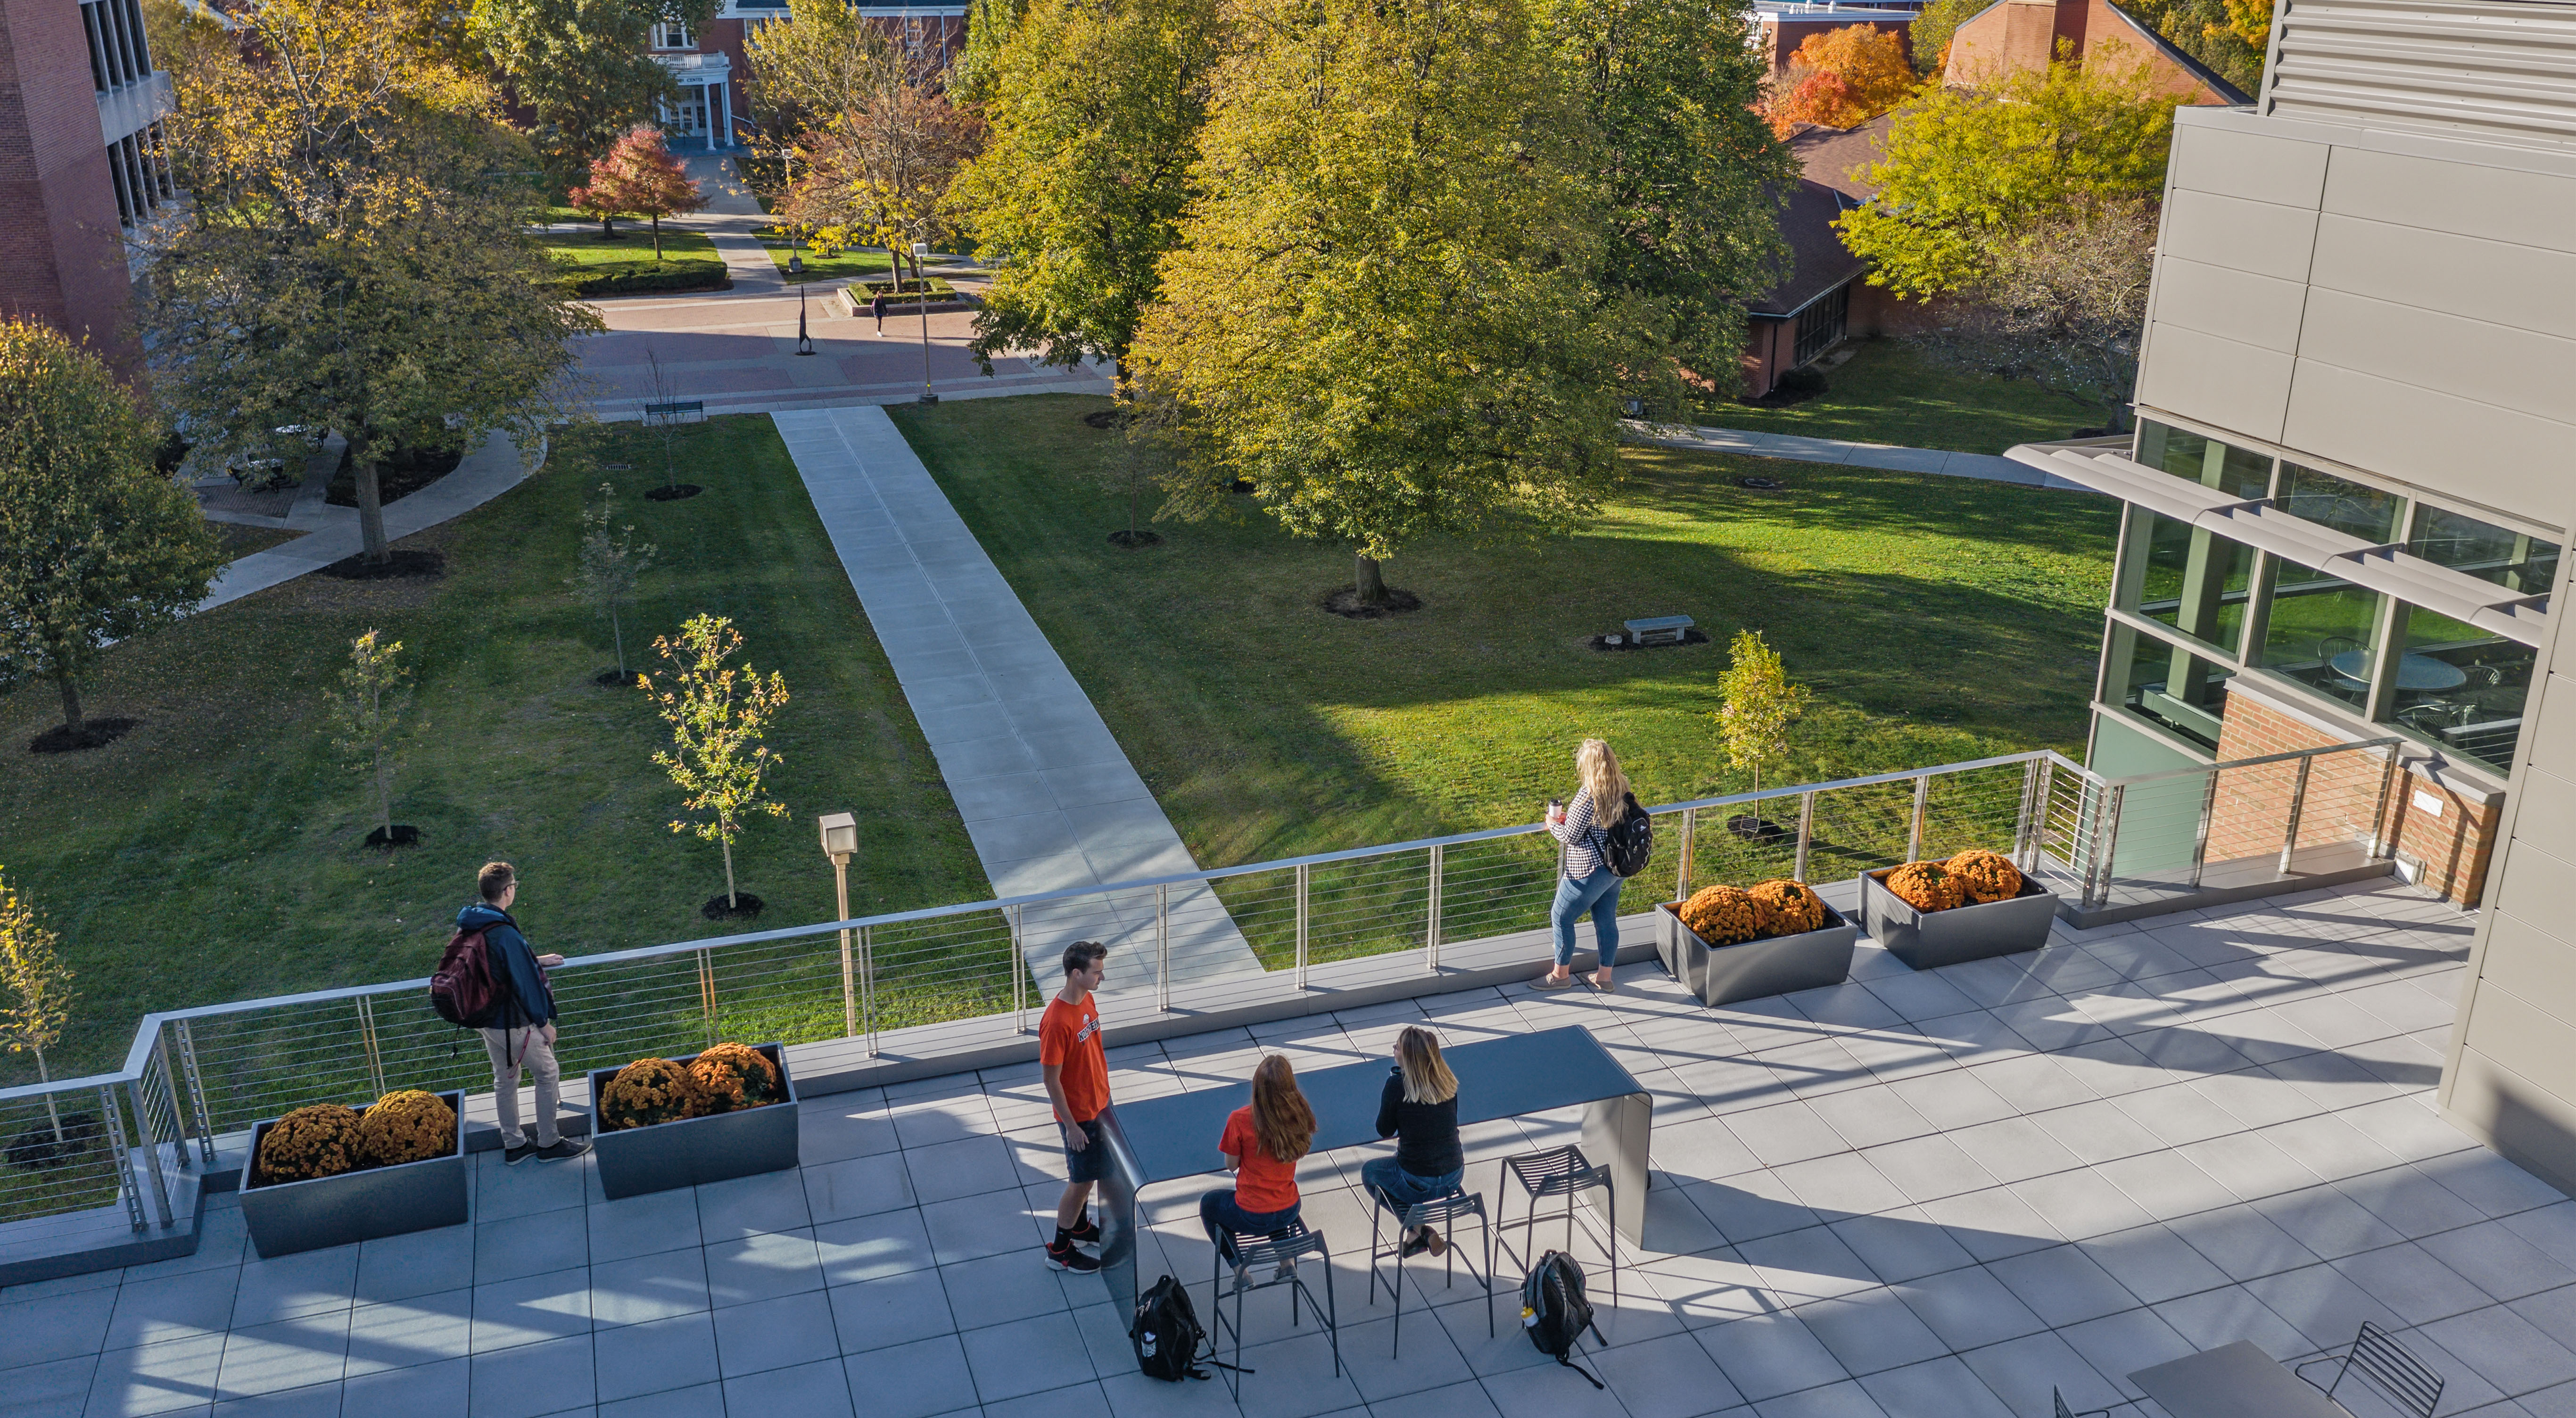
[[1806, 832], [1019, 977], [707, 992], [143, 1131], [2038, 842], [170, 1090], [1914, 838], [367, 1041], [2021, 822], [1301, 926], [114, 1117], [196, 1094], [2298, 805], [1690, 833], [1163, 947], [868, 986], [1431, 927], [2105, 840], [2382, 842], [2200, 837]]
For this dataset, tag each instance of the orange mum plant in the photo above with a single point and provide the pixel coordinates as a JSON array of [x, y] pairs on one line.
[[1986, 876], [316, 1141], [1785, 907], [650, 1091], [1926, 886], [1720, 915], [735, 1076], [406, 1125]]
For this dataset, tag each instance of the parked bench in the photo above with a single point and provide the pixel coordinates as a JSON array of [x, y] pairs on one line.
[[677, 411], [1676, 628]]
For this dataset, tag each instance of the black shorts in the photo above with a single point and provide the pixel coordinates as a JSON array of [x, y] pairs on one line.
[[1091, 1163]]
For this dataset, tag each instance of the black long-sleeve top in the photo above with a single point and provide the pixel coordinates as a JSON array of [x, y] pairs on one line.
[[1426, 1133]]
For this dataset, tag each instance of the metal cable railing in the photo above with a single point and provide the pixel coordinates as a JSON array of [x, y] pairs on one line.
[[132, 1136]]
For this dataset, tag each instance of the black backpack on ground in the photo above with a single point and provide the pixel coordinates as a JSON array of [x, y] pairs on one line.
[[1166, 1335], [1629, 843], [1554, 1313]]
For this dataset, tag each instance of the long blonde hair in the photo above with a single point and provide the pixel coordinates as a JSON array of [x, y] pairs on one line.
[[1281, 1121], [1427, 1078], [1608, 786]]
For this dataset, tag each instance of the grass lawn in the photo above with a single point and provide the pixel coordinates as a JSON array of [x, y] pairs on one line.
[[854, 262], [214, 852], [240, 541], [630, 252], [1937, 619], [1891, 392]]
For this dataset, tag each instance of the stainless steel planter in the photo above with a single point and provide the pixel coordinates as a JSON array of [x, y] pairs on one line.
[[1773, 965], [1926, 940], [286, 1217], [633, 1161]]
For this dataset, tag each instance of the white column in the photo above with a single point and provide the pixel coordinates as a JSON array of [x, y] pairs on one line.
[[724, 98]]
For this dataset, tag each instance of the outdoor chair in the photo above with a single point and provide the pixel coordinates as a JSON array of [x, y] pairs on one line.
[[2386, 1365], [1441, 1212], [1279, 1253], [1557, 1172]]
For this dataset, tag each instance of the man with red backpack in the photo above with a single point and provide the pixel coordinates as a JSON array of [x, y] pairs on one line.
[[519, 1034]]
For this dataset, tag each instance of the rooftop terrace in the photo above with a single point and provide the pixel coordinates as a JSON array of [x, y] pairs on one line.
[[1914, 1194]]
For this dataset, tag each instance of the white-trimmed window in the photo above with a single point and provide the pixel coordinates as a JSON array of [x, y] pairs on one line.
[[672, 34]]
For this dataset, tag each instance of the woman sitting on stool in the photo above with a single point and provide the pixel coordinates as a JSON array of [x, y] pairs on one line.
[[1261, 1146], [1419, 1108]]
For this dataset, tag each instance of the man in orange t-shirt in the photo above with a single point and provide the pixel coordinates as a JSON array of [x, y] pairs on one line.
[[1077, 1082]]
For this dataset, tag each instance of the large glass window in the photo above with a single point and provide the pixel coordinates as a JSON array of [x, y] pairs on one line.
[[2167, 685], [2460, 688], [2348, 507], [2320, 631], [2192, 580], [2239, 472], [2484, 550]]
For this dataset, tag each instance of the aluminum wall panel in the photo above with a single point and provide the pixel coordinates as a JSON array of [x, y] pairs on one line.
[[2257, 167], [2258, 237], [2499, 71], [2491, 201], [2504, 283], [2261, 311], [2490, 456], [2470, 359], [2218, 381]]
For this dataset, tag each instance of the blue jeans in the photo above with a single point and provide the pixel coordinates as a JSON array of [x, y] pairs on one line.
[[1397, 1189], [1598, 894], [1225, 1219]]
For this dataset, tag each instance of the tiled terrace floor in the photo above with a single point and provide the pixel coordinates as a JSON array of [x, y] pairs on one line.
[[1932, 1196]]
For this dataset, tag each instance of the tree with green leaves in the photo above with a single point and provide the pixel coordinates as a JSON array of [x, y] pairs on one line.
[[612, 561], [367, 715], [1760, 705], [878, 174], [989, 27], [356, 257], [583, 68], [1094, 108], [717, 715], [1386, 311], [35, 989], [822, 61], [96, 546], [1687, 180], [1930, 33]]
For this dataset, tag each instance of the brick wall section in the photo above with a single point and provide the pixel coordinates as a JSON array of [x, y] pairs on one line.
[[62, 259], [2252, 806]]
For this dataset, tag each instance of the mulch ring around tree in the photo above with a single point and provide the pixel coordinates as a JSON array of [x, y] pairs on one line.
[[610, 679], [1345, 601], [1125, 538], [400, 563], [1109, 418], [94, 733], [742, 907], [672, 493], [41, 1148], [1692, 636], [405, 835]]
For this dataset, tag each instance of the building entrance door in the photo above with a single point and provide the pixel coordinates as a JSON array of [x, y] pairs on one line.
[[689, 115]]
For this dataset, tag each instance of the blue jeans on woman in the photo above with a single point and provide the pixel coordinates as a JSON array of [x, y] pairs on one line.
[[1598, 894], [1225, 1218], [1399, 1190]]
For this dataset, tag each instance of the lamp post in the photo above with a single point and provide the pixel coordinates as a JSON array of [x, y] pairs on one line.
[[796, 267], [921, 249], [840, 839]]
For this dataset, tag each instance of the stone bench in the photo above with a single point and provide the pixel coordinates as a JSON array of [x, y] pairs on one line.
[[1675, 628]]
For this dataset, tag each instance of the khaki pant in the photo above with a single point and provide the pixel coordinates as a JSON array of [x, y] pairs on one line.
[[536, 1061]]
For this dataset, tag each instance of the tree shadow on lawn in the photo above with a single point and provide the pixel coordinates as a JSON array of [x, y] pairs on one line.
[[1703, 487]]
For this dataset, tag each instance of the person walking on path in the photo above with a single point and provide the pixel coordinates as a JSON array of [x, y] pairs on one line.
[[1588, 883], [1419, 1109], [522, 1043], [878, 305], [1076, 1069], [1261, 1145]]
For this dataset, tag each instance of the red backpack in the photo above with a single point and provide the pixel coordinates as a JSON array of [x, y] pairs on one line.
[[467, 990]]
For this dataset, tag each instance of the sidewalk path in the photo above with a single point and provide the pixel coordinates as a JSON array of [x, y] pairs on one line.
[[1049, 798], [1985, 466], [732, 218]]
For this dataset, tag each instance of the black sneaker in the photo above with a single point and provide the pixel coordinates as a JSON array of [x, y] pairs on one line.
[[563, 1150], [1069, 1257], [1086, 1234], [513, 1156], [1415, 1244]]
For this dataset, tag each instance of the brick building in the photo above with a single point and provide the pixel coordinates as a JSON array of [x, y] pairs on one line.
[[80, 162], [2017, 35], [713, 62]]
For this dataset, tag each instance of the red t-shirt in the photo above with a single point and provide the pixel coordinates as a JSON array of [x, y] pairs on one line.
[[1069, 1037], [1263, 1182]]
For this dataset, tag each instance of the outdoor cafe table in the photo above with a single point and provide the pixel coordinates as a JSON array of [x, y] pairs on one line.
[[1167, 1139], [2233, 1381]]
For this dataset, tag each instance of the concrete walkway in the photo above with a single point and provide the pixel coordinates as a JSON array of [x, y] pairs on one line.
[[1049, 798], [731, 220], [1984, 466]]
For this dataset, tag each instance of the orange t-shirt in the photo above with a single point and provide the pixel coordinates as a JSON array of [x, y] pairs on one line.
[[1262, 1182], [1069, 1037]]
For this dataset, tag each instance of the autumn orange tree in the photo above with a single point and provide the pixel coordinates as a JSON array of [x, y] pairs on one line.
[[1841, 79], [638, 177]]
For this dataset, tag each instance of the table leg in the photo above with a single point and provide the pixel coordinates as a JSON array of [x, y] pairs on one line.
[[1615, 1134], [1118, 1216]]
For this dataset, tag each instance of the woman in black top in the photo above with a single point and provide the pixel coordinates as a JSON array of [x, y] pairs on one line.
[[1419, 1108]]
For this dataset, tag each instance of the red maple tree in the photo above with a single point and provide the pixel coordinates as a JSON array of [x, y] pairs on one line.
[[638, 177]]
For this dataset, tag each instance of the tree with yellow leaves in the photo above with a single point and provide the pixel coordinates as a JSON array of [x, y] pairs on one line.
[[717, 714], [1760, 705], [35, 988]]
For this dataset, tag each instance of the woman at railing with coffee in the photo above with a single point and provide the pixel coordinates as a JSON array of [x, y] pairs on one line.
[[1586, 883]]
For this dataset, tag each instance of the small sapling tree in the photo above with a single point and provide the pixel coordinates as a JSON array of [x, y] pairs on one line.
[[1761, 703], [35, 991], [717, 714], [612, 560], [367, 712]]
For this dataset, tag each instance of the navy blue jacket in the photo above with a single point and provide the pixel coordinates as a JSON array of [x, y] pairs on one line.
[[530, 1002]]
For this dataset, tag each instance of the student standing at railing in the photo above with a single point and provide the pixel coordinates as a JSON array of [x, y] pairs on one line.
[[524, 1043], [1076, 1070], [1588, 883]]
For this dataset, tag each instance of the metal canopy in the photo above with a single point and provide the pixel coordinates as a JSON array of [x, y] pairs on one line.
[[2516, 615]]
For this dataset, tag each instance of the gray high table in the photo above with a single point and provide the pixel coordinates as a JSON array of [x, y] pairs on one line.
[[1170, 1138]]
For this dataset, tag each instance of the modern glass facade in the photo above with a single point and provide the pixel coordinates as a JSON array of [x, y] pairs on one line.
[[2195, 613]]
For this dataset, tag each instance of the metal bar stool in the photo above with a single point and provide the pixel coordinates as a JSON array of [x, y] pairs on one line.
[[1558, 1171], [1440, 1211], [1279, 1251]]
